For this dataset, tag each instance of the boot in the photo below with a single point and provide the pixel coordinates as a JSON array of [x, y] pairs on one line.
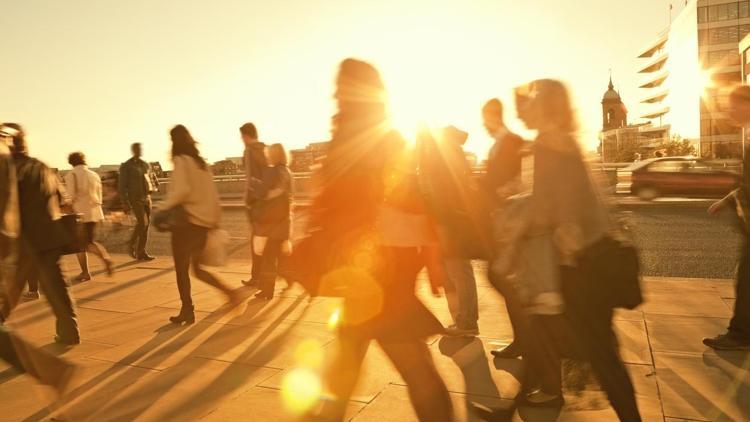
[[187, 315]]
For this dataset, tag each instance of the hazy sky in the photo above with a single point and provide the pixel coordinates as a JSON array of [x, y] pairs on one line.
[[96, 75]]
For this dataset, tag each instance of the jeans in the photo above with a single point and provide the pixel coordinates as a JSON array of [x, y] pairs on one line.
[[188, 243], [141, 210], [516, 313], [461, 293], [270, 266], [739, 326]]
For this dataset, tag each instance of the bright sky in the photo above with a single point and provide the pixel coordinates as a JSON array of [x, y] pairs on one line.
[[98, 75]]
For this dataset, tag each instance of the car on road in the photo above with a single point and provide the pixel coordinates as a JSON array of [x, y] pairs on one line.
[[678, 176]]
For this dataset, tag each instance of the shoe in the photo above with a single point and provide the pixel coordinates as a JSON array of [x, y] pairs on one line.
[[539, 398], [80, 278], [726, 342], [263, 295], [454, 331], [511, 351], [145, 257], [187, 315], [250, 283], [30, 296], [67, 342]]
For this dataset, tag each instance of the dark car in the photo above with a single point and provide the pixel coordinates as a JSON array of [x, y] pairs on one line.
[[678, 176]]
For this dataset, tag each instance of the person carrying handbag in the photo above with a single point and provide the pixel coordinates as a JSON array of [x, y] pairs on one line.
[[84, 188], [272, 217], [193, 205]]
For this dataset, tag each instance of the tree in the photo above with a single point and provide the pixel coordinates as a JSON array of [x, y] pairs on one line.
[[677, 147]]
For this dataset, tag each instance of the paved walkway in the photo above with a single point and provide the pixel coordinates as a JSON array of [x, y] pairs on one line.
[[239, 364]]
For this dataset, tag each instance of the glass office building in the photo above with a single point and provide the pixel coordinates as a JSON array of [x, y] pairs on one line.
[[689, 70]]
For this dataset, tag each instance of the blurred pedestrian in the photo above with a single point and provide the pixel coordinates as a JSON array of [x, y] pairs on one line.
[[272, 222], [193, 201], [43, 236], [85, 190], [370, 205], [737, 336], [446, 180], [22, 356], [137, 182], [501, 181], [255, 166], [570, 210]]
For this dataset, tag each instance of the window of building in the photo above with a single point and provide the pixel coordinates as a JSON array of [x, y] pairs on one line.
[[732, 12], [725, 35], [744, 9], [702, 15], [722, 12], [722, 58], [712, 16]]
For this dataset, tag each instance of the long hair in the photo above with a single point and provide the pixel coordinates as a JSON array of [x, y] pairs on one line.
[[184, 144], [361, 120], [553, 101]]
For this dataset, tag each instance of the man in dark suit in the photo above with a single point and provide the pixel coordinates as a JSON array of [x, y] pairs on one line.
[[42, 235], [503, 173], [255, 164], [137, 182]]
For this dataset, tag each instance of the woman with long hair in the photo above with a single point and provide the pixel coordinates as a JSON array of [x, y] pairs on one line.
[[367, 202], [272, 222], [566, 205], [192, 190]]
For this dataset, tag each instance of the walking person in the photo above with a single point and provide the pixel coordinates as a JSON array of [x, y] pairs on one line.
[[448, 185], [737, 336], [84, 188], [137, 182], [569, 209], [369, 205], [255, 166], [192, 194], [42, 236], [500, 182], [23, 357], [272, 222]]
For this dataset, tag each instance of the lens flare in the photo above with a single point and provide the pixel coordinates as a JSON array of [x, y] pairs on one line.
[[309, 354], [334, 319], [300, 390]]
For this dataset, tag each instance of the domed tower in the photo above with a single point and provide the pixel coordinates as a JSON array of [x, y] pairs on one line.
[[614, 113]]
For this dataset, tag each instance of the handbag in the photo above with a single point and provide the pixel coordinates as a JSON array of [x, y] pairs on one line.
[[74, 230], [611, 271], [171, 219]]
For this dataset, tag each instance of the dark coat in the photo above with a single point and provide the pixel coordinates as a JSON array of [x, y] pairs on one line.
[[503, 165], [272, 216], [134, 185], [255, 165], [38, 196]]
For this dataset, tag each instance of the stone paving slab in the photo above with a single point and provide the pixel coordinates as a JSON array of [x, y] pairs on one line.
[[234, 363]]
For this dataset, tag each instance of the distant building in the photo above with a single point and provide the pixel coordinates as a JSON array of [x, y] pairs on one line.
[[688, 70], [620, 142], [239, 162], [225, 167], [303, 159]]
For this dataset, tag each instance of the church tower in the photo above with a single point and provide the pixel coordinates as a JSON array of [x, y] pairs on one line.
[[614, 113]]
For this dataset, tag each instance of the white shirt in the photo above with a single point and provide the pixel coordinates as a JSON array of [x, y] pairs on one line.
[[85, 190], [194, 189]]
